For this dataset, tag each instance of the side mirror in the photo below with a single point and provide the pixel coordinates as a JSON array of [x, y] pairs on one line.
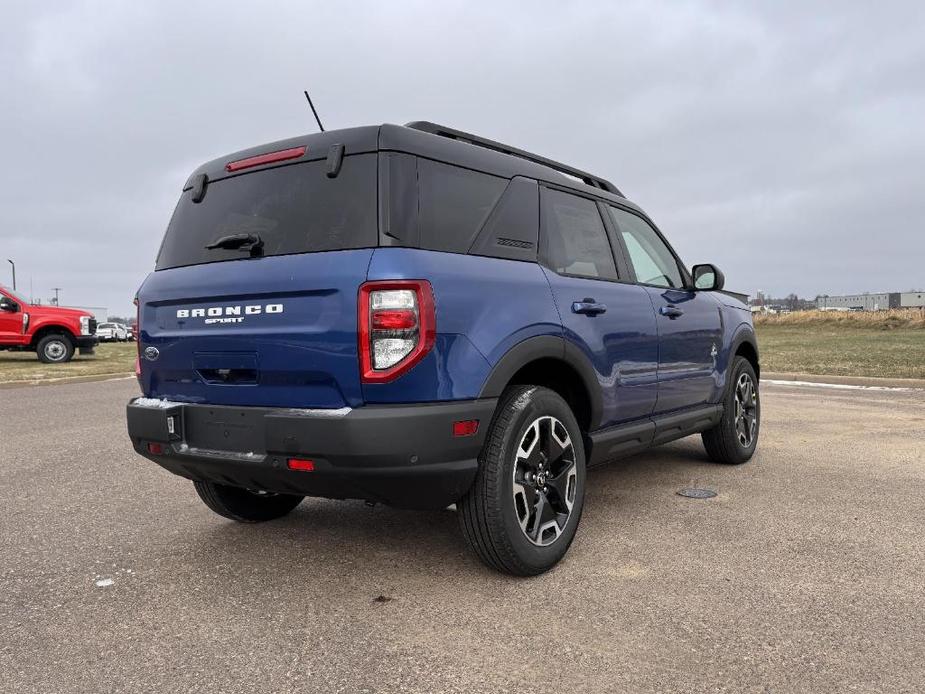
[[708, 277], [7, 304]]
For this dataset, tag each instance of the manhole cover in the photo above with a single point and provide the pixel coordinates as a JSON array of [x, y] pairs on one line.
[[697, 493]]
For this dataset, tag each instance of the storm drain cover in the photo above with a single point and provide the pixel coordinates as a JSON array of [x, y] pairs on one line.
[[697, 493]]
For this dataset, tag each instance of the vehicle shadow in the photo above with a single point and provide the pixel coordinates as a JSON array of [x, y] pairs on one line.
[[328, 540]]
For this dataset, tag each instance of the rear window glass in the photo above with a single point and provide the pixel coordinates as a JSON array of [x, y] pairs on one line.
[[454, 204], [293, 209]]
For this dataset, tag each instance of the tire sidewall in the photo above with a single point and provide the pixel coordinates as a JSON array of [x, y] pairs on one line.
[[532, 404]]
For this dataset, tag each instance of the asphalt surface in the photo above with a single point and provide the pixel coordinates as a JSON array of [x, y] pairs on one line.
[[805, 574]]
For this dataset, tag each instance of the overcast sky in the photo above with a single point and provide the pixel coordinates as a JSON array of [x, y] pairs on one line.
[[784, 142]]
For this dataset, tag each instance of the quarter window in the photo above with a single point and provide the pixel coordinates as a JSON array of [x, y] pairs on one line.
[[575, 238], [651, 258]]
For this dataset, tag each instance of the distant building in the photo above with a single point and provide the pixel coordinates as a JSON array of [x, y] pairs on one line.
[[912, 299], [99, 312], [872, 302]]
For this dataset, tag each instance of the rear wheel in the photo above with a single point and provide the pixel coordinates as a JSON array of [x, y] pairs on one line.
[[735, 438], [55, 349], [523, 509], [244, 505]]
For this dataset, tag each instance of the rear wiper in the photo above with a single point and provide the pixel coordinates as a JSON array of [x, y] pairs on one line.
[[238, 241]]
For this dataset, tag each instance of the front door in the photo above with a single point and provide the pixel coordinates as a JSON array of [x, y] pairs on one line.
[[10, 320], [689, 322], [610, 320]]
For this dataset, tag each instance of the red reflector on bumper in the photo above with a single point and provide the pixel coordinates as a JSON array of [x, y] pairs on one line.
[[301, 464], [156, 448], [466, 427]]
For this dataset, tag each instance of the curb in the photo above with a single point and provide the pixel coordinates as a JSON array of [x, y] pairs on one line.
[[845, 380], [118, 376]]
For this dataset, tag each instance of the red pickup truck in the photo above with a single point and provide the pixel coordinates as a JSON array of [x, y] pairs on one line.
[[53, 333]]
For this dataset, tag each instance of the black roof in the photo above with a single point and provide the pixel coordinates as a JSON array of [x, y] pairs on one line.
[[432, 141]]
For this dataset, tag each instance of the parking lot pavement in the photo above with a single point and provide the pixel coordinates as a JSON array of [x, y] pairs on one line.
[[805, 573]]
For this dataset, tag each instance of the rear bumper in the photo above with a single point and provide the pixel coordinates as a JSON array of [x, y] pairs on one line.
[[401, 455]]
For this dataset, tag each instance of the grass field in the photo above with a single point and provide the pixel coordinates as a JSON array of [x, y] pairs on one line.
[[110, 358], [885, 344]]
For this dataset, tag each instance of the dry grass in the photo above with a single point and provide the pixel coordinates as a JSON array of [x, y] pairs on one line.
[[110, 359], [884, 344], [908, 318]]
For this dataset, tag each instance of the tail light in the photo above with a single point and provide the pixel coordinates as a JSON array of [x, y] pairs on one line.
[[397, 327], [137, 339]]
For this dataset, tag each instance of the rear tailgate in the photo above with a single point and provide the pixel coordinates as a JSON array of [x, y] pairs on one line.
[[275, 332]]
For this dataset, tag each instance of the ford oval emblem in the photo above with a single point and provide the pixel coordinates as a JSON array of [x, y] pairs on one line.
[[152, 353]]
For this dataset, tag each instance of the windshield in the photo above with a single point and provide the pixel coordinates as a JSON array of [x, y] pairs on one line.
[[289, 209], [16, 297]]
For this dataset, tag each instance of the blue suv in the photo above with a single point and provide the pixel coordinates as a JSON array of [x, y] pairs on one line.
[[422, 317]]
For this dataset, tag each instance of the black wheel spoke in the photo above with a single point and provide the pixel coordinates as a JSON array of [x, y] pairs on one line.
[[558, 484]]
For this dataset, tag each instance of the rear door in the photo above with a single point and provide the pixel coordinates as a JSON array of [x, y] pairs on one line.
[[689, 323], [271, 321], [610, 320]]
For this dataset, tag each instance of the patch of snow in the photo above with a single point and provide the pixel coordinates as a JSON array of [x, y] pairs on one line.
[[104, 582], [339, 412], [155, 404]]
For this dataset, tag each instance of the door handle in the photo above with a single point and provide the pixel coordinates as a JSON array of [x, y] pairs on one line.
[[589, 307], [671, 311]]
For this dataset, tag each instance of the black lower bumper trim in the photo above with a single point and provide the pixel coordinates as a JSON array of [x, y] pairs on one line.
[[401, 455]]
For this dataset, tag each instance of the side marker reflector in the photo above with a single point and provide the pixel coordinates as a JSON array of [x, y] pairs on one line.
[[156, 448], [301, 464], [466, 427]]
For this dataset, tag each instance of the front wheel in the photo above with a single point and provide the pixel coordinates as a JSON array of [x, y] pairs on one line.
[[735, 438], [522, 511], [54, 349], [244, 505]]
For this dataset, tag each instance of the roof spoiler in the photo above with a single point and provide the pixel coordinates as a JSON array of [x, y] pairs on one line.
[[452, 133]]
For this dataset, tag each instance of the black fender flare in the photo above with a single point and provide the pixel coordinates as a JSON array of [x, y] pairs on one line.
[[745, 334], [547, 347]]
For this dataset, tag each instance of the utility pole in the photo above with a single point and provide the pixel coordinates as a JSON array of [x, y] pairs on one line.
[[57, 289], [14, 272]]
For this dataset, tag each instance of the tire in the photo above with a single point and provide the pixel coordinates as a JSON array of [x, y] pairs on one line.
[[55, 349], [243, 505], [734, 439], [496, 517]]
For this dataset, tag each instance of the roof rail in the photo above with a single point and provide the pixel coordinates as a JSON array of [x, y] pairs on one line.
[[452, 133]]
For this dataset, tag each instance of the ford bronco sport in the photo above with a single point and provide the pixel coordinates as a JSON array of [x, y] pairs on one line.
[[419, 316]]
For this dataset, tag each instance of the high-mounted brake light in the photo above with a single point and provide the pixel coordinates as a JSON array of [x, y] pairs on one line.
[[396, 327], [268, 158]]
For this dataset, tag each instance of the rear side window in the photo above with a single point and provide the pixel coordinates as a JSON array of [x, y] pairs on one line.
[[293, 209], [454, 204], [574, 236]]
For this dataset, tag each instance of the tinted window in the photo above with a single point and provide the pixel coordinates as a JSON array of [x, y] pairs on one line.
[[294, 209], [454, 204], [574, 235], [652, 261]]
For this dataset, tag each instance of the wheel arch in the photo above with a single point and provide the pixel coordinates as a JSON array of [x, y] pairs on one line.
[[553, 363], [745, 344], [52, 329]]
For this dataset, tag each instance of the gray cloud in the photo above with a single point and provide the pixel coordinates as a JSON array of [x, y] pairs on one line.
[[783, 141]]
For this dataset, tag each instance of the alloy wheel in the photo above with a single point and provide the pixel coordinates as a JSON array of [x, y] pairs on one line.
[[545, 480], [746, 410]]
